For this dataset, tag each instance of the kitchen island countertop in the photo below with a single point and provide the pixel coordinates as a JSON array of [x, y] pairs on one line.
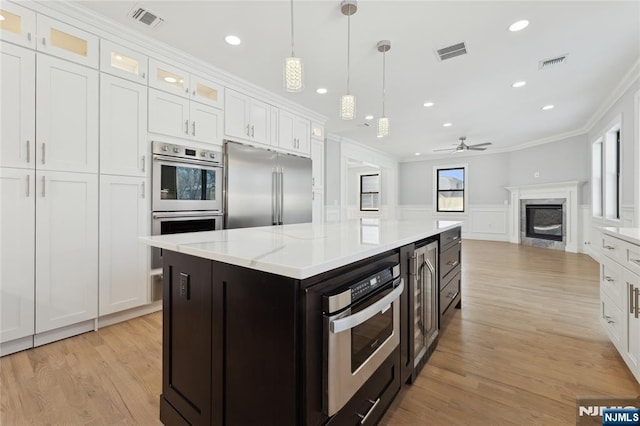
[[301, 250]]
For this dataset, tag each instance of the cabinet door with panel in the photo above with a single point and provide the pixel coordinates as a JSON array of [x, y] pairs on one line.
[[259, 121], [236, 117], [17, 245], [67, 42], [206, 123], [66, 249], [317, 167], [17, 106], [168, 78], [67, 116], [632, 337], [206, 91], [302, 135], [18, 25], [123, 62], [123, 127], [124, 217], [286, 136], [168, 114]]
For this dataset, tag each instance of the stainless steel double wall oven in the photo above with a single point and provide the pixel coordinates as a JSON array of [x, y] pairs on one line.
[[187, 186]]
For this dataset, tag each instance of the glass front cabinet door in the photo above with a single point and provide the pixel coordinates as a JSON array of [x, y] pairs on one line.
[[17, 24], [123, 62], [67, 42]]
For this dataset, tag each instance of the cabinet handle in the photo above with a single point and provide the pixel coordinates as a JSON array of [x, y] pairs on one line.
[[43, 152], [608, 319], [43, 188], [144, 163], [186, 90], [194, 93], [632, 309], [363, 418], [142, 190], [44, 41], [637, 261], [248, 134], [637, 302], [186, 127], [608, 279], [252, 131], [28, 151], [452, 263], [144, 75], [313, 181], [28, 186], [29, 36], [609, 247], [193, 126]]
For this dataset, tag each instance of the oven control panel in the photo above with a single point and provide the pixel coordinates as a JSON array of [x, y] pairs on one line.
[[181, 151], [372, 282]]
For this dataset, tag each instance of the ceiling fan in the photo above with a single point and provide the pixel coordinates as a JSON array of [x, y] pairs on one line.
[[464, 147]]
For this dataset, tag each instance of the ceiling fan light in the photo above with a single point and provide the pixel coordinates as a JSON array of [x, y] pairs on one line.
[[293, 74], [383, 127], [348, 107]]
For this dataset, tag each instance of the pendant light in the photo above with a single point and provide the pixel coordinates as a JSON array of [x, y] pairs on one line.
[[383, 122], [348, 101], [293, 69]]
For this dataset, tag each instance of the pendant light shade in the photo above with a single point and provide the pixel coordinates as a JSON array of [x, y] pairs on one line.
[[348, 101], [293, 68], [383, 122]]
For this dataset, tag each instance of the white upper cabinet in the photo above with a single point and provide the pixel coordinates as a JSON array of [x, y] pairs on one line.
[[168, 78], [66, 249], [293, 133], [18, 25], [67, 116], [123, 62], [246, 118], [168, 114], [17, 106], [17, 244], [205, 123], [123, 127], [206, 91], [124, 218], [67, 42]]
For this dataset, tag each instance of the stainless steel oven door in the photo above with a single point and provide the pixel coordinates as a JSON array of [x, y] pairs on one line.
[[358, 340], [165, 223], [181, 184]]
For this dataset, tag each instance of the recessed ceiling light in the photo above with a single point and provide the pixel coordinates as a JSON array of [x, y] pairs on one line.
[[518, 26], [233, 40], [447, 125], [519, 84], [368, 117], [428, 104], [170, 79], [548, 107], [417, 153], [321, 90]]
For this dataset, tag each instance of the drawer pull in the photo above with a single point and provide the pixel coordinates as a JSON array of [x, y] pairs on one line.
[[607, 278], [632, 299], [636, 261], [609, 320], [366, 416], [637, 302], [609, 247], [452, 263]]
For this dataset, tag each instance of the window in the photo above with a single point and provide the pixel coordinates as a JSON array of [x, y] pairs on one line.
[[370, 192], [605, 175], [450, 189]]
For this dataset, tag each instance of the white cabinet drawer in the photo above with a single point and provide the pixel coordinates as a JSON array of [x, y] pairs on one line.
[[612, 282], [613, 248], [612, 321], [633, 258]]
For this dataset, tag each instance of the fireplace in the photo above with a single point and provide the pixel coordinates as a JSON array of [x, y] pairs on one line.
[[544, 221]]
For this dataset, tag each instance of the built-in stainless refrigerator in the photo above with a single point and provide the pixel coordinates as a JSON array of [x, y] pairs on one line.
[[264, 187]]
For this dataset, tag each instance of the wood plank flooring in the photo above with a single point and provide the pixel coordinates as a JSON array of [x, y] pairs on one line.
[[526, 343]]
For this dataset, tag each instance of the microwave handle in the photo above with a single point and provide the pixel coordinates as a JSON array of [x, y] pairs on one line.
[[346, 323], [183, 215]]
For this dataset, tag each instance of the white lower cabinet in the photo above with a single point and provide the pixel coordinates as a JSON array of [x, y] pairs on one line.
[[17, 246], [632, 344], [124, 216], [317, 207], [66, 249]]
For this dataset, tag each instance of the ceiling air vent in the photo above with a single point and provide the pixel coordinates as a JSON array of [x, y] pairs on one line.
[[452, 51], [546, 63], [145, 16]]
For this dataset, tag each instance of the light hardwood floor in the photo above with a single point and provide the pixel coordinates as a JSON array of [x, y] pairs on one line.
[[526, 343]]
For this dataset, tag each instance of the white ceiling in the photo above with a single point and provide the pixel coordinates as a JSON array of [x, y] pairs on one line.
[[473, 91]]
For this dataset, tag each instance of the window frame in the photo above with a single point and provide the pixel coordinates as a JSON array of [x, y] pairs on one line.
[[465, 190], [610, 169], [369, 209]]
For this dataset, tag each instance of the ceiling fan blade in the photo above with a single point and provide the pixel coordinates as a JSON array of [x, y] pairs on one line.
[[481, 144], [475, 148], [446, 149]]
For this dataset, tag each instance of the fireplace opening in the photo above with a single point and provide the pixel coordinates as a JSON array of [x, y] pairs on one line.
[[544, 221]]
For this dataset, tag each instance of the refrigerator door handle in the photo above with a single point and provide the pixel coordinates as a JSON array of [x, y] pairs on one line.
[[274, 197], [281, 195]]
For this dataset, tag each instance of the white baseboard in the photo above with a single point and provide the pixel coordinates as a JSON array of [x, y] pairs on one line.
[[63, 332], [17, 345], [111, 319]]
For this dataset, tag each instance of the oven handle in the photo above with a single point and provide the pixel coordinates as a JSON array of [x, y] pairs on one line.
[[179, 215], [346, 323], [194, 162]]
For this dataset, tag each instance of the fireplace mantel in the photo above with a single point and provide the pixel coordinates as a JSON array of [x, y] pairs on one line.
[[567, 190]]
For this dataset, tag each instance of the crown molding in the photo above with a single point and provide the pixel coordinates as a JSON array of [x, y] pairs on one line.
[[337, 138], [101, 26]]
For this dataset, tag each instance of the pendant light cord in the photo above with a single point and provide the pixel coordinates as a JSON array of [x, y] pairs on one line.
[[348, 49], [384, 67], [292, 54]]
